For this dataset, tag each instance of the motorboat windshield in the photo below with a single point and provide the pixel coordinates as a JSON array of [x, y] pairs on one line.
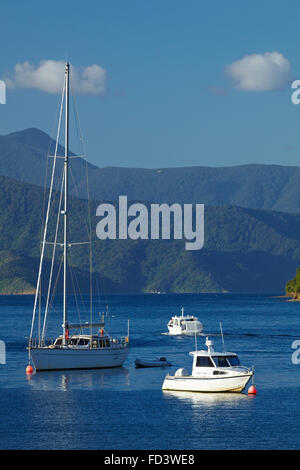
[[226, 361]]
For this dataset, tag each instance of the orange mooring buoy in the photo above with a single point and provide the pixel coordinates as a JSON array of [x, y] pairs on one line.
[[252, 390], [29, 369]]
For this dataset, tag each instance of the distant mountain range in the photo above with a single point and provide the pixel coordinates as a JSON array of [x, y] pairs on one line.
[[270, 187], [247, 248]]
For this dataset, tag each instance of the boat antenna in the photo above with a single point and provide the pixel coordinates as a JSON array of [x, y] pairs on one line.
[[196, 346], [222, 337]]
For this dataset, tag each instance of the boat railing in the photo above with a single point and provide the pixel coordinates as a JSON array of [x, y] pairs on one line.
[[34, 343], [242, 369], [122, 342], [125, 341]]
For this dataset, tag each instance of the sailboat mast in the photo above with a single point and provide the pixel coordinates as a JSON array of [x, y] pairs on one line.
[[65, 211]]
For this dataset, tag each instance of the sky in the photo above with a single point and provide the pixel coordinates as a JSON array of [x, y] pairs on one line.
[[158, 83]]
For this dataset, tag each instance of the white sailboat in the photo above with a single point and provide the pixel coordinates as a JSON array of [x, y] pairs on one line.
[[70, 350]]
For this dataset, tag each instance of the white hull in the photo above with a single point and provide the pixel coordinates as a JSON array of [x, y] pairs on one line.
[[209, 384], [70, 358], [179, 331]]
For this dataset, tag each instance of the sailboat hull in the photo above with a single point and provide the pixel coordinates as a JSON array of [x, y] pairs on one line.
[[67, 358]]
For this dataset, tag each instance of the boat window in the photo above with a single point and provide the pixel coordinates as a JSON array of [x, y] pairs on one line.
[[233, 360], [101, 343], [221, 361], [73, 341], [226, 361], [83, 342], [107, 343], [58, 342], [204, 361]]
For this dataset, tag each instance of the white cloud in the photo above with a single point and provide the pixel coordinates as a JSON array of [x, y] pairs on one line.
[[48, 77], [260, 72]]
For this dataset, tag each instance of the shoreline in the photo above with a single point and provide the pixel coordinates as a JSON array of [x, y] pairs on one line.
[[287, 297], [19, 293], [290, 298]]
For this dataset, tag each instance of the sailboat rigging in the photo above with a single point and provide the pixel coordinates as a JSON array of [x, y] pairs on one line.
[[78, 350]]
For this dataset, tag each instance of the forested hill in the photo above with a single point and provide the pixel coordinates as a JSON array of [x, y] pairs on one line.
[[245, 250]]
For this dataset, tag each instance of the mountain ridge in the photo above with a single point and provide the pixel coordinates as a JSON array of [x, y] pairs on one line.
[[23, 156]]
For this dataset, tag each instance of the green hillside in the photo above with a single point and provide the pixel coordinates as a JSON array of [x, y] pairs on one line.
[[292, 287], [245, 250], [17, 274]]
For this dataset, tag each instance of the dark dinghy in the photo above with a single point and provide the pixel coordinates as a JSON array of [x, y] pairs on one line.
[[161, 362]]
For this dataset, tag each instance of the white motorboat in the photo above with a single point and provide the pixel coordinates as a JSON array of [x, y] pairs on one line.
[[184, 325], [212, 372], [70, 350], [160, 362]]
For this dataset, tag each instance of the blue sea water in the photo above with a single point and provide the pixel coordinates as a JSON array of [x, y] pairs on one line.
[[125, 408]]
